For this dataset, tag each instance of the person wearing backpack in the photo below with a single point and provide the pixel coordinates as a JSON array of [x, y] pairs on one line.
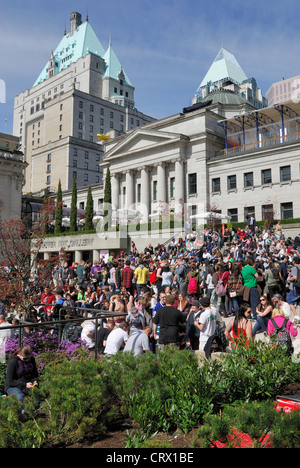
[[193, 280], [281, 329]]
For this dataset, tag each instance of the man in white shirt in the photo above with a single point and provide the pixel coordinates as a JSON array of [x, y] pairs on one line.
[[206, 322], [117, 339], [88, 333]]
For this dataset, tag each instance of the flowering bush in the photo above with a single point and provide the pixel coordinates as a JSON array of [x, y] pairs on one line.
[[47, 349]]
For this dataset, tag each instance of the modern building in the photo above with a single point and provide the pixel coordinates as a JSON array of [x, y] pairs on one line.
[[284, 91], [81, 92], [226, 73], [12, 167]]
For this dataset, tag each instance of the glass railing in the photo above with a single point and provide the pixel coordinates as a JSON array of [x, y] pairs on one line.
[[259, 145]]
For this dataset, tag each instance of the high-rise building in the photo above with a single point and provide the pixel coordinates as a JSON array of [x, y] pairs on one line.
[[284, 91], [81, 92], [226, 73]]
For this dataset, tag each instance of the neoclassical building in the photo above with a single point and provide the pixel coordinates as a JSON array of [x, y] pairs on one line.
[[216, 153]]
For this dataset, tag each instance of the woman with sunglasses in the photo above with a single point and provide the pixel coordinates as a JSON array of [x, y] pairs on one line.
[[264, 313], [22, 373]]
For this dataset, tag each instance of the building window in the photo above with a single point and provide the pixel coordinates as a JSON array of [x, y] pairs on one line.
[[86, 155], [97, 179], [192, 184], [75, 151], [111, 124], [267, 212], [216, 185], [231, 182], [91, 128], [101, 111], [91, 108], [80, 125], [75, 175], [91, 118], [49, 157], [155, 190], [86, 177], [172, 187], [287, 211], [74, 162], [248, 179], [111, 115], [80, 115], [233, 213], [121, 118], [285, 174], [249, 210], [81, 104], [48, 179], [266, 176], [86, 165], [101, 121], [49, 168]]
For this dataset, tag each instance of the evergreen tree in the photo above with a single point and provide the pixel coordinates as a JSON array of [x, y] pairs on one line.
[[107, 194], [46, 216], [73, 216], [59, 210], [89, 211]]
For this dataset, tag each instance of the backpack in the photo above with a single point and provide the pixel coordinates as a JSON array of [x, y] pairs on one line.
[[221, 289], [193, 285], [297, 282], [153, 277], [282, 337], [74, 333]]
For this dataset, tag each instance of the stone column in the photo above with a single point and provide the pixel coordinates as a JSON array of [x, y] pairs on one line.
[[145, 193], [179, 181], [129, 189], [115, 192], [161, 183]]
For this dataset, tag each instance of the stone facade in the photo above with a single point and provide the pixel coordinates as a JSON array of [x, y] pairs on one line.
[[12, 167]]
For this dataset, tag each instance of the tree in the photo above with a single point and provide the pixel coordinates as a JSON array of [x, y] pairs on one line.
[[22, 273], [107, 195], [73, 216], [89, 211], [59, 210]]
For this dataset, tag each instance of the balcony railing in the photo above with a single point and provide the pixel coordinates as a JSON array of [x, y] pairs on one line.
[[257, 145]]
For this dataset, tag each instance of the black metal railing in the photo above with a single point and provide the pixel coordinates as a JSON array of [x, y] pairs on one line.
[[95, 315]]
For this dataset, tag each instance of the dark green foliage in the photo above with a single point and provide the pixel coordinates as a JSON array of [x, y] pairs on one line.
[[73, 216], [89, 211], [59, 210]]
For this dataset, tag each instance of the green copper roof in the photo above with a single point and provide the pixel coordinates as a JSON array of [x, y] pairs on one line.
[[113, 67], [72, 48], [225, 66]]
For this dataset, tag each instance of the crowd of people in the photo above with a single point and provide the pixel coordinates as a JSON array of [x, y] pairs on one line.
[[179, 294]]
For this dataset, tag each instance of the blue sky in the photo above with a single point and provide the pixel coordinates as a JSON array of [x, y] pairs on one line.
[[165, 46]]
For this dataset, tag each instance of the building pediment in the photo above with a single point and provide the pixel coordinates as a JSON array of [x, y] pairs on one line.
[[140, 141]]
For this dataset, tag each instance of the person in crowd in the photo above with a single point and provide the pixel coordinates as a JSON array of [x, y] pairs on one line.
[[138, 342], [169, 320], [263, 315], [206, 322], [22, 374], [117, 339], [239, 329]]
